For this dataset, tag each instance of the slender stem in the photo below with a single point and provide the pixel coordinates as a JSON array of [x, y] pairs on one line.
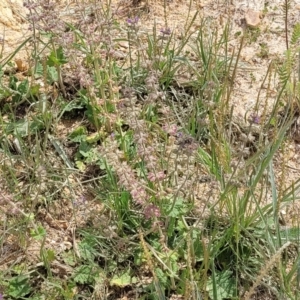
[[286, 23]]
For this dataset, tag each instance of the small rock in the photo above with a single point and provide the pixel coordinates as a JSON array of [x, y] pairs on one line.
[[124, 44], [252, 18], [118, 54], [22, 66]]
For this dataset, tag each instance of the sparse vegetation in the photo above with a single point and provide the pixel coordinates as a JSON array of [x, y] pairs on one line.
[[127, 174]]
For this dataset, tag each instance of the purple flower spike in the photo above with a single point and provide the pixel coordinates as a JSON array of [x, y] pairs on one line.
[[133, 21], [151, 211], [254, 118], [165, 31]]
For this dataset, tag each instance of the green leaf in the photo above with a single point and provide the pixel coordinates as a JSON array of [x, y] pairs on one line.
[[69, 106], [139, 257], [87, 250], [56, 58], [18, 128], [84, 149], [52, 75], [177, 208], [160, 284], [80, 165], [94, 138], [78, 135], [13, 82], [24, 127], [49, 255], [39, 233], [23, 87], [18, 287], [225, 286], [19, 268], [273, 121], [4, 93], [83, 274], [295, 34], [34, 89], [68, 258], [21, 90], [39, 70], [123, 279], [163, 278]]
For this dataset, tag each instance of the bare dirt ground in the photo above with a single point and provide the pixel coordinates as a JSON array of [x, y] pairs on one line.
[[13, 27]]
